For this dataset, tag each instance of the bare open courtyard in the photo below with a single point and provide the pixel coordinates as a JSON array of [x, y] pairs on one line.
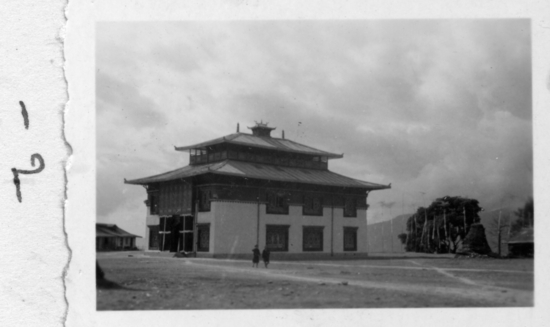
[[159, 282]]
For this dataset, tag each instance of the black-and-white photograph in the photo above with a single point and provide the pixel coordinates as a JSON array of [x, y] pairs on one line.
[[301, 164]]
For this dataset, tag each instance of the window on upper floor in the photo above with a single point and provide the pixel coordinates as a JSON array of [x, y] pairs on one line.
[[350, 207], [313, 205], [154, 203], [204, 199], [277, 202]]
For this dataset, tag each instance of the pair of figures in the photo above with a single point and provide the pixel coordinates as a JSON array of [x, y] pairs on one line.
[[256, 256]]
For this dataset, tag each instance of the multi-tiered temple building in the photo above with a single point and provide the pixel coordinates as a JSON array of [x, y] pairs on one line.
[[246, 189]]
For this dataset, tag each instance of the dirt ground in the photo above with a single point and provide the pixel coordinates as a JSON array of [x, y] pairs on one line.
[[160, 282]]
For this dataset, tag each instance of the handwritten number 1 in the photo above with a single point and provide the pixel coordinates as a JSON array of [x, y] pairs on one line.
[[25, 114]]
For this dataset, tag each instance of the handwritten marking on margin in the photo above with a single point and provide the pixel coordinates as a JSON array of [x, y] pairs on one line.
[[25, 114], [16, 173]]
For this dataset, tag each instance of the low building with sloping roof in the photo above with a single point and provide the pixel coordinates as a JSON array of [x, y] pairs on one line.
[[243, 190], [523, 243], [110, 237]]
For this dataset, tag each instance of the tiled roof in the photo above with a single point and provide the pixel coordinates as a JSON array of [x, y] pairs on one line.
[[262, 142], [111, 230], [262, 171]]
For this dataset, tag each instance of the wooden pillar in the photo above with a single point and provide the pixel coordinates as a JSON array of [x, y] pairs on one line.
[[258, 219], [195, 228], [332, 228], [182, 234], [164, 232]]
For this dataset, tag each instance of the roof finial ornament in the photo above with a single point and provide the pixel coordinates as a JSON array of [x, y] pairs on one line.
[[237, 127], [283, 134], [261, 129]]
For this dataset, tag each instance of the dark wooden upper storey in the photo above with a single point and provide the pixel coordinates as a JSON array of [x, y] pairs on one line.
[[260, 148]]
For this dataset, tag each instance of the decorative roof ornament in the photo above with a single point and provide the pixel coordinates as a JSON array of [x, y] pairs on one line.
[[261, 129]]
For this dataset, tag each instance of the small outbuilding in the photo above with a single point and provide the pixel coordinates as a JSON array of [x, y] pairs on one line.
[[110, 237], [522, 244]]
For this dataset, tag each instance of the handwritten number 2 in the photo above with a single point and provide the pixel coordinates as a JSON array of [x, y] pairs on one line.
[[16, 173]]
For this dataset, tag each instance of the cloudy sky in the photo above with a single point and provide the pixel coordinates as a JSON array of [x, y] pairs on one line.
[[434, 107]]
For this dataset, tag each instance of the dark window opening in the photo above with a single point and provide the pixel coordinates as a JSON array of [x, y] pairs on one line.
[[313, 206], [154, 203], [350, 207], [204, 200], [277, 238], [203, 232], [277, 203], [350, 238], [154, 237], [312, 238], [233, 155]]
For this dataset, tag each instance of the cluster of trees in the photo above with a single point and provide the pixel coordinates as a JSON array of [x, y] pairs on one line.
[[504, 228], [441, 226], [446, 222], [525, 217]]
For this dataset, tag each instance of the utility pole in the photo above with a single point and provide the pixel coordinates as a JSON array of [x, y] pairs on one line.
[[464, 210], [445, 225], [498, 229], [415, 233], [383, 240], [391, 231]]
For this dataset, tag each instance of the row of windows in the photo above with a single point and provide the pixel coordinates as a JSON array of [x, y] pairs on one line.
[[198, 156], [277, 203], [276, 238], [312, 238]]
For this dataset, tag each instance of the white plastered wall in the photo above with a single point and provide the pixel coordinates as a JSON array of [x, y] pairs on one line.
[[150, 220], [234, 224]]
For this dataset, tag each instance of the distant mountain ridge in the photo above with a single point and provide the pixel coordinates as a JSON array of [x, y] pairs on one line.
[[381, 239]]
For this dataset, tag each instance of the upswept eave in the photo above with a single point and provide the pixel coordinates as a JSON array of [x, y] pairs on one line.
[[262, 171]]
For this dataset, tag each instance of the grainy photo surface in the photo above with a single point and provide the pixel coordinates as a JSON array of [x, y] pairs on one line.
[[314, 164]]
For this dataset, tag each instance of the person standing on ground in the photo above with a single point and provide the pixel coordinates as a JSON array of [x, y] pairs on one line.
[[255, 256], [265, 256]]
